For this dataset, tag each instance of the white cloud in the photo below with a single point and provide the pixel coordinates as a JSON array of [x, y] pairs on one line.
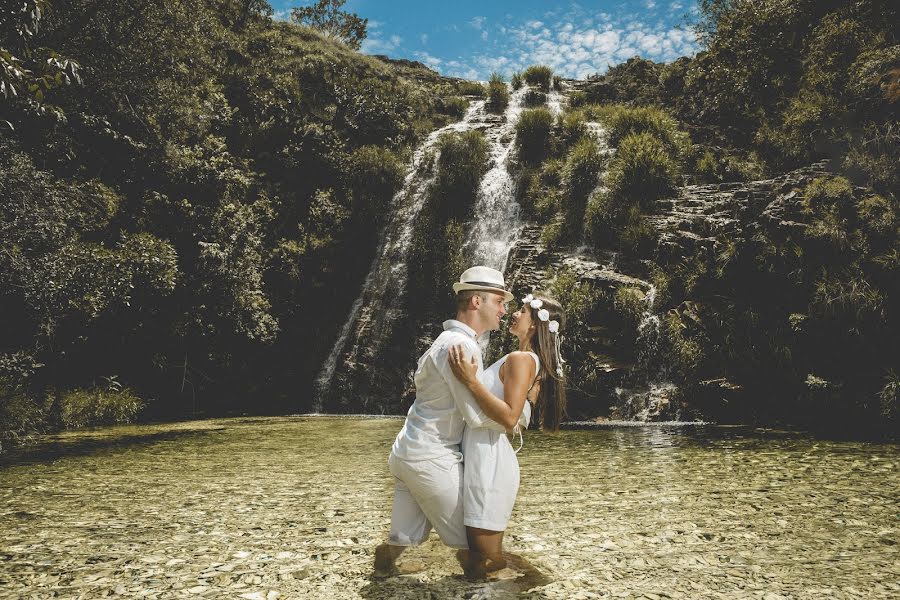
[[431, 61], [575, 49], [484, 35], [477, 22], [377, 45], [650, 4], [423, 38]]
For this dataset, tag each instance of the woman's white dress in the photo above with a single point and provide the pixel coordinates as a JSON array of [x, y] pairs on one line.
[[491, 471]]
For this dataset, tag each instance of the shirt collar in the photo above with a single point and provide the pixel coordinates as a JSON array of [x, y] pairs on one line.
[[454, 324]]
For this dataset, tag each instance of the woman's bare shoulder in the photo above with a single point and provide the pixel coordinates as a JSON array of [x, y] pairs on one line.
[[520, 360]]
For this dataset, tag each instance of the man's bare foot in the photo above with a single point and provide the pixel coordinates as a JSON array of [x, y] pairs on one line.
[[385, 561]]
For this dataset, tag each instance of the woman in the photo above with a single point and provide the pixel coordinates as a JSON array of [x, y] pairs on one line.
[[519, 384]]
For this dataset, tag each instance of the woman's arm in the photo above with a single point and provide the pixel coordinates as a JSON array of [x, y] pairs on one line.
[[519, 373]]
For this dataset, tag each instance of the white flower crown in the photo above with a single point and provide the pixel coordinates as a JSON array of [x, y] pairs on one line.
[[543, 314]]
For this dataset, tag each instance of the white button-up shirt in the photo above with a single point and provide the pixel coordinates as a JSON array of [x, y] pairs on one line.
[[444, 405]]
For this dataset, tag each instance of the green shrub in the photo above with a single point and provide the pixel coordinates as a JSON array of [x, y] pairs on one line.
[[707, 168], [455, 106], [572, 127], [533, 134], [552, 233], [875, 160], [534, 98], [637, 237], [498, 94], [539, 76], [877, 216], [95, 406], [577, 99], [552, 172], [716, 165], [580, 173], [20, 417], [557, 83], [684, 354], [630, 303], [461, 162], [622, 121], [579, 300], [601, 218], [824, 194], [516, 80], [375, 174], [471, 88], [642, 171], [847, 296], [888, 397]]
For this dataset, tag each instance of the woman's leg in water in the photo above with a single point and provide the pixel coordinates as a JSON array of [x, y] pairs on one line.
[[486, 551]]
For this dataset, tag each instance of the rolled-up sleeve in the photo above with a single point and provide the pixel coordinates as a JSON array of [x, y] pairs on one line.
[[462, 397]]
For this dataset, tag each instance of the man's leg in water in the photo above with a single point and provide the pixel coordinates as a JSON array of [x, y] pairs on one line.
[[426, 493], [385, 559]]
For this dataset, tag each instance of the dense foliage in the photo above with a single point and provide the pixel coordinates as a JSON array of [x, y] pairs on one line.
[[791, 319], [202, 213], [184, 224]]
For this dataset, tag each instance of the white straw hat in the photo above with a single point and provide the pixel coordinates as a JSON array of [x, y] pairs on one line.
[[482, 278]]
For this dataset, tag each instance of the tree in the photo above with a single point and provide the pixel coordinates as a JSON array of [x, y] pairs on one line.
[[27, 73], [327, 17]]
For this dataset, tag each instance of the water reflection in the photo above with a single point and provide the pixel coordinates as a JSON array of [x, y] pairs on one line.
[[295, 505]]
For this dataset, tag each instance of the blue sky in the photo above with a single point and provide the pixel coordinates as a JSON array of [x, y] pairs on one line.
[[470, 39]]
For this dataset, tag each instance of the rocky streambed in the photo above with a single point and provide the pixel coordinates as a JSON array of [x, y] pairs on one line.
[[269, 508]]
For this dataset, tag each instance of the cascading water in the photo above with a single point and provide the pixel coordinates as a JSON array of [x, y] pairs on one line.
[[651, 399], [497, 214], [371, 316], [497, 221]]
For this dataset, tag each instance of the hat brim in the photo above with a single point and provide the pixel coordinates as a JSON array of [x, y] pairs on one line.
[[461, 287]]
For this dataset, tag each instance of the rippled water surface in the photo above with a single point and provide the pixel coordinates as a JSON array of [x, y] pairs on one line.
[[293, 507]]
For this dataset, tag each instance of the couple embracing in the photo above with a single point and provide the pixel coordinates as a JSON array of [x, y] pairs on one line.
[[453, 464]]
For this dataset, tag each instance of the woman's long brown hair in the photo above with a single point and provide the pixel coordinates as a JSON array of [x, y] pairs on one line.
[[550, 408]]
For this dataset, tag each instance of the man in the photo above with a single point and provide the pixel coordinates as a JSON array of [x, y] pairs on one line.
[[425, 459]]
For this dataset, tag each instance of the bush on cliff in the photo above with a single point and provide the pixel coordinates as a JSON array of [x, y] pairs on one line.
[[622, 121], [579, 177], [497, 94], [534, 98], [460, 164], [533, 134], [640, 173], [539, 76], [375, 174]]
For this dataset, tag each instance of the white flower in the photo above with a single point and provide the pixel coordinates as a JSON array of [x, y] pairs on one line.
[[543, 314], [527, 299], [553, 326], [536, 303]]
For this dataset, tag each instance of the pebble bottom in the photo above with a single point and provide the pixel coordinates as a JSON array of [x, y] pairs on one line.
[[293, 507]]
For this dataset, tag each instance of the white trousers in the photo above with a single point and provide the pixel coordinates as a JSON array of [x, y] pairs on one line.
[[427, 493]]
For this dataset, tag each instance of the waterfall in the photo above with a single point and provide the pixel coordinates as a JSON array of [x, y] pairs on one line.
[[648, 334], [497, 223], [497, 220], [388, 273]]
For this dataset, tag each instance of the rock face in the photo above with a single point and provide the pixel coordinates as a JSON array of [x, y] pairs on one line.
[[692, 224], [700, 216]]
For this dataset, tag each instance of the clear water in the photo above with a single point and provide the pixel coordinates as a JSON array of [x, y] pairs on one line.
[[294, 506]]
